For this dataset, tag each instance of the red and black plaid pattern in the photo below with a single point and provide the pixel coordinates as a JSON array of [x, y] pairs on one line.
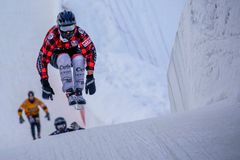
[[53, 42]]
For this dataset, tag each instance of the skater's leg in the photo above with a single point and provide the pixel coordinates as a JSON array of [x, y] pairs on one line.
[[64, 65], [33, 130], [32, 126], [38, 124], [78, 63]]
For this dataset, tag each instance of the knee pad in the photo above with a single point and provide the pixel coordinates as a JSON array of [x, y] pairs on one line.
[[78, 60], [63, 60]]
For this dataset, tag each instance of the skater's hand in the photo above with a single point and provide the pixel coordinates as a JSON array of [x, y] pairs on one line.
[[21, 120], [47, 116], [90, 85], [47, 91]]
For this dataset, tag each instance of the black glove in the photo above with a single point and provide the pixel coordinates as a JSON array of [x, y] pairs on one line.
[[47, 116], [47, 91], [90, 85], [21, 120]]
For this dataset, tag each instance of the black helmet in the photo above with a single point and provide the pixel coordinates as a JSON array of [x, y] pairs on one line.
[[66, 18], [60, 124], [66, 24], [75, 126], [31, 96], [30, 93]]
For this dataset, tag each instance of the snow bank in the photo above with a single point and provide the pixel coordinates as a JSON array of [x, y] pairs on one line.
[[205, 61], [211, 133]]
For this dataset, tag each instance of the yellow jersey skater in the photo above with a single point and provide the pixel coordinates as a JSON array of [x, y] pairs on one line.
[[31, 108]]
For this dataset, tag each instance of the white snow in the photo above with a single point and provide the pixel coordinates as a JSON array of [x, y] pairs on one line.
[[133, 41], [204, 67], [128, 87], [23, 27], [208, 133]]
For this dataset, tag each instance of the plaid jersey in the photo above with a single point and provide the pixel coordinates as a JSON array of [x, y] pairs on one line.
[[53, 43]]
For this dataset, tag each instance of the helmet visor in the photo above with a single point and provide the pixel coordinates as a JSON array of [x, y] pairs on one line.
[[61, 126], [67, 28]]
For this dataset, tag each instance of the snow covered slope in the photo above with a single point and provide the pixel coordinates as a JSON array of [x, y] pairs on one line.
[[23, 27], [204, 67], [203, 134], [125, 32], [132, 39]]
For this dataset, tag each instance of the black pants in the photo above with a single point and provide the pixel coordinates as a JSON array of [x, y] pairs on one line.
[[35, 121]]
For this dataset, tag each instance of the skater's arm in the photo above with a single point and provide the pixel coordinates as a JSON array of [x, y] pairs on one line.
[[21, 120], [20, 109], [90, 72], [45, 53], [44, 108], [42, 65], [20, 112], [88, 50], [42, 105]]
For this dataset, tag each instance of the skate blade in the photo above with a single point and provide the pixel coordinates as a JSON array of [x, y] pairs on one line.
[[80, 106]]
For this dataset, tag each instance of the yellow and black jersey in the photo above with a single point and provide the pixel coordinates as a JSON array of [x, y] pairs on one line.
[[31, 108]]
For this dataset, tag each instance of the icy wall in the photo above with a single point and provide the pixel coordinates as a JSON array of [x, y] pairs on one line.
[[205, 60], [132, 39]]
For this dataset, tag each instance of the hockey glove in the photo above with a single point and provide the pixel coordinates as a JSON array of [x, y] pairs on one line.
[[47, 91], [21, 120], [47, 116], [90, 85]]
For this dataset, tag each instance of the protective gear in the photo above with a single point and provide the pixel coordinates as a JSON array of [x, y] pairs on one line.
[[67, 28], [67, 35], [78, 64], [66, 18], [75, 126], [60, 124], [79, 97], [64, 64], [47, 91], [67, 31], [67, 24], [30, 94], [80, 100], [71, 97], [90, 85], [21, 120], [47, 116]]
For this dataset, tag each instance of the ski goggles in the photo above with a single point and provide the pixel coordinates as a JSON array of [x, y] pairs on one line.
[[67, 28]]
